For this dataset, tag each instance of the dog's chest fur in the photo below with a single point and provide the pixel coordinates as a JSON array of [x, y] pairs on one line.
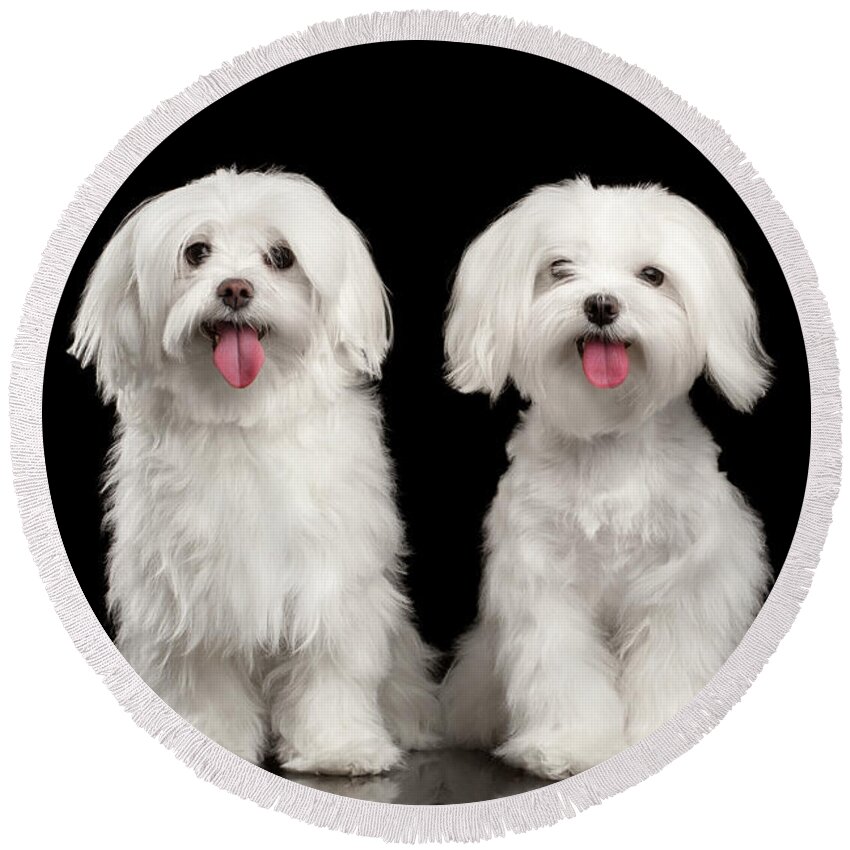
[[253, 527], [610, 517]]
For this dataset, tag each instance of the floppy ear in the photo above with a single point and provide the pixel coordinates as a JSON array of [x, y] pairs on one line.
[[351, 298], [358, 317], [735, 361], [108, 329], [490, 303]]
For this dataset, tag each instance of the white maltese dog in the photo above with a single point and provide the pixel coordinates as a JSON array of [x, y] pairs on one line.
[[622, 566], [254, 571]]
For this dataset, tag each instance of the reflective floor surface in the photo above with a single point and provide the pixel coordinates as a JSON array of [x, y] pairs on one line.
[[436, 777]]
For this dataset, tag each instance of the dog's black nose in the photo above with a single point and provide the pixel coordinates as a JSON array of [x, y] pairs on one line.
[[601, 309], [235, 292]]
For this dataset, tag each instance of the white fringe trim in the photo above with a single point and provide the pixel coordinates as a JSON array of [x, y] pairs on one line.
[[474, 821]]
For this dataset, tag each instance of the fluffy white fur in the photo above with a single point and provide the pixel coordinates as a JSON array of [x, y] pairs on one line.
[[622, 566], [254, 566]]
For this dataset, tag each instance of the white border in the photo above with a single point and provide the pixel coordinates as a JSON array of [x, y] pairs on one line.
[[401, 822]]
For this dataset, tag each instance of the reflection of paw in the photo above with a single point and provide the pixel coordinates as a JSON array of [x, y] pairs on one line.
[[377, 789], [359, 757], [554, 757]]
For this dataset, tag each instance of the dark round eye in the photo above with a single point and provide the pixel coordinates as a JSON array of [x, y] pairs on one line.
[[280, 256], [652, 275], [562, 269], [197, 252]]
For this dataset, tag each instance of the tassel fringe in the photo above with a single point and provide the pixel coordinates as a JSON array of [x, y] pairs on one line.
[[404, 823]]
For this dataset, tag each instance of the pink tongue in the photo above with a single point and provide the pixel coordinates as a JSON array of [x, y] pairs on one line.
[[238, 355], [605, 364]]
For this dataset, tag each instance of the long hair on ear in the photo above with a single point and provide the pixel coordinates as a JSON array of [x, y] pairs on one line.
[[335, 256], [491, 299], [107, 331], [360, 316], [736, 363]]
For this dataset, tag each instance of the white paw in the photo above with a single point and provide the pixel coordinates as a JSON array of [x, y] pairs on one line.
[[418, 738], [643, 727], [245, 742], [250, 752], [556, 757], [360, 757], [412, 714], [422, 731], [648, 712]]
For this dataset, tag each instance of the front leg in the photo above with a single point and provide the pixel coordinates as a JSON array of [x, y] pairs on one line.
[[676, 650], [325, 694], [471, 696], [564, 711], [674, 647], [408, 696]]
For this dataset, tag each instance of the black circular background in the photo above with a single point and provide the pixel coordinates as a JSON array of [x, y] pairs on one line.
[[422, 144]]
